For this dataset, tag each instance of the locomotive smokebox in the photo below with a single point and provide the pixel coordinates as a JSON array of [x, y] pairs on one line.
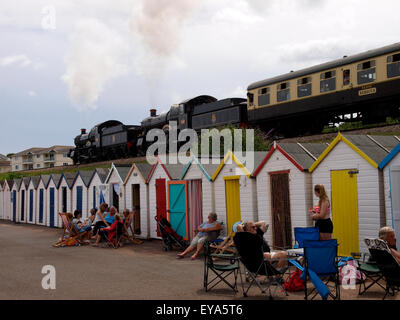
[[153, 112], [83, 131]]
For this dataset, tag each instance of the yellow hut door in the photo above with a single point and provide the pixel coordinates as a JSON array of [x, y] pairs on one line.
[[232, 194], [345, 210]]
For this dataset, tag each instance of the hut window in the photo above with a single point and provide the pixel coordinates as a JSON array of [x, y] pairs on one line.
[[264, 96], [366, 72], [304, 87], [283, 92], [393, 66], [328, 81]]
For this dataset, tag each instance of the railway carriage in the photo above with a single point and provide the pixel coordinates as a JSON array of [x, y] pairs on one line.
[[366, 84]]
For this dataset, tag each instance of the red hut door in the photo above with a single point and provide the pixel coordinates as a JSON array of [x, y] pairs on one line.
[[161, 203]]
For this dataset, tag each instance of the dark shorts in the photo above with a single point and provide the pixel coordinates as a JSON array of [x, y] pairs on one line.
[[325, 225]]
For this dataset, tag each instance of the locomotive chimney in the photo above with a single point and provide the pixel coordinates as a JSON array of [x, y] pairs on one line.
[[83, 131], [153, 112]]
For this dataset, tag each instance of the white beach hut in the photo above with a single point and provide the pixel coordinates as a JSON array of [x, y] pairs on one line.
[[115, 181], [41, 192], [64, 191], [80, 192], [391, 176], [32, 199], [6, 200], [15, 200], [136, 195], [235, 189], [348, 169], [201, 199], [284, 189], [51, 202], [98, 190], [1, 201]]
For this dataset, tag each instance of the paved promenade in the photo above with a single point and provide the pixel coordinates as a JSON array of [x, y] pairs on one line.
[[131, 272]]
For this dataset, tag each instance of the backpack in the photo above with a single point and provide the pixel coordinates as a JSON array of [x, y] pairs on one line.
[[293, 282]]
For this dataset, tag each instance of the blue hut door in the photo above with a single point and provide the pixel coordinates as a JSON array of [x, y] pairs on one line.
[[31, 205], [41, 206], [64, 199], [22, 205], [51, 207], [79, 198], [177, 207], [14, 201]]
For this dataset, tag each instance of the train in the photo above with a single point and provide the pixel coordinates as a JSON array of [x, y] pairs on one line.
[[364, 86]]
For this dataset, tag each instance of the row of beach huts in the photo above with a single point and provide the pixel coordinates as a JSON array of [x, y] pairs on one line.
[[361, 174]]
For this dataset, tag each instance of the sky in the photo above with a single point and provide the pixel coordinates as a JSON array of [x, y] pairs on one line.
[[69, 64]]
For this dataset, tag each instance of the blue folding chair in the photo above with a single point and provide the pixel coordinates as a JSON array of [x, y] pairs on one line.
[[321, 261], [301, 234]]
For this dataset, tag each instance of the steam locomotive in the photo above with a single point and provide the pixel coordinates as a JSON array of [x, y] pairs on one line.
[[114, 140], [365, 86]]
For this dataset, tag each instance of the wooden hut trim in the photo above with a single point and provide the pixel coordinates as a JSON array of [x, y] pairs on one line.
[[269, 155], [339, 138], [131, 172], [389, 157], [194, 159], [236, 160]]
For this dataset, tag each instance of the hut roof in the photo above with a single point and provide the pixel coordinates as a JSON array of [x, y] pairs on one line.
[[103, 173], [389, 157], [35, 181]]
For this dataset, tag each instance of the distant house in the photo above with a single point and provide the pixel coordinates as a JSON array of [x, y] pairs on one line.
[[38, 158], [5, 164]]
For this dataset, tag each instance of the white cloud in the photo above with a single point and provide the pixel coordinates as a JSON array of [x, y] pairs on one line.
[[20, 60]]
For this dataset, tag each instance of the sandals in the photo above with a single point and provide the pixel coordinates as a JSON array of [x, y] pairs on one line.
[[180, 256]]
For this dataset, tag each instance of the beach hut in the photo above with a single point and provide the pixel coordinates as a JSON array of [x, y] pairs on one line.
[[15, 200], [64, 191], [391, 176], [1, 201], [7, 200], [80, 192], [348, 169], [235, 189], [32, 199], [201, 200], [136, 195], [41, 205], [284, 189], [51, 201], [115, 181], [97, 189], [162, 189]]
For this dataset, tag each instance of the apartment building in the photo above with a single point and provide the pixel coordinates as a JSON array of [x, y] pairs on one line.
[[39, 158], [5, 164]]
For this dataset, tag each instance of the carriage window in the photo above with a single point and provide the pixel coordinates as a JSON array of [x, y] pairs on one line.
[[346, 77], [283, 92], [263, 96], [393, 66], [366, 72], [328, 81], [304, 87], [251, 98]]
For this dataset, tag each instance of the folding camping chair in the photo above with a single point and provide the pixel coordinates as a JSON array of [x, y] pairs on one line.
[[385, 261], [116, 241], [251, 255], [221, 271], [73, 235], [128, 227], [369, 270], [321, 260], [302, 234]]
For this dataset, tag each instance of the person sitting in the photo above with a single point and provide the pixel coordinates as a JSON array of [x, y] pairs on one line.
[[259, 228], [111, 215], [99, 221], [109, 232], [79, 225], [210, 228], [387, 234]]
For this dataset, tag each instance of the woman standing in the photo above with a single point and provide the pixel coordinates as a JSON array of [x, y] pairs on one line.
[[322, 213]]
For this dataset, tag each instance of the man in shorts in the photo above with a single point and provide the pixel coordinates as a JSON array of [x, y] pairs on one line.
[[209, 228]]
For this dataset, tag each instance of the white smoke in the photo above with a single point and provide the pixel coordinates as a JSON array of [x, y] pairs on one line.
[[96, 55], [159, 23]]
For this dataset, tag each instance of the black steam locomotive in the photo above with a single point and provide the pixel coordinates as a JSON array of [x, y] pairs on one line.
[[114, 140]]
